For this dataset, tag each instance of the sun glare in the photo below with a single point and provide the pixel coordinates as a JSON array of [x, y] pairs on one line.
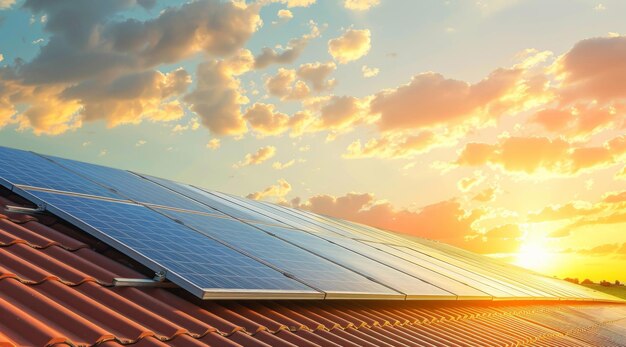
[[534, 256]]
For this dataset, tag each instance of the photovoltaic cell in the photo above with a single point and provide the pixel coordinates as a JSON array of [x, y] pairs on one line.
[[130, 185], [492, 286], [29, 169], [211, 200], [317, 272], [413, 287], [190, 259], [459, 288]]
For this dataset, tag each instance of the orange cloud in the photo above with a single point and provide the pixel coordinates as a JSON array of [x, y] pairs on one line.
[[278, 191], [594, 69], [350, 46], [486, 195], [431, 100], [256, 158], [285, 86], [265, 120], [392, 146], [445, 221], [467, 183], [531, 155]]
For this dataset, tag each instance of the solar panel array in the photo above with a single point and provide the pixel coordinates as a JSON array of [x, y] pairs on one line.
[[220, 246]]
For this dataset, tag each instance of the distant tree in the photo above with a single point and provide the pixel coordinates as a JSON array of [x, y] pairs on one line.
[[618, 283], [605, 283], [573, 280], [587, 281]]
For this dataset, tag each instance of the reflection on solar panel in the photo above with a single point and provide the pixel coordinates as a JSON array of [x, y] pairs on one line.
[[23, 168], [334, 280], [413, 287], [210, 200], [191, 260], [217, 245], [130, 185]]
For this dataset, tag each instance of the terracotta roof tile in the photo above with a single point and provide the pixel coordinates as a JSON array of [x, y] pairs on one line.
[[55, 288]]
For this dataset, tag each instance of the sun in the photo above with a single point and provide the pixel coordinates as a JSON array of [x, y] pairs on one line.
[[534, 256]]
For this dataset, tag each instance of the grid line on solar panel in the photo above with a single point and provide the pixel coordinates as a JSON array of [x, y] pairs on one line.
[[509, 272], [315, 225], [261, 209], [461, 289], [129, 185], [400, 281], [188, 256], [490, 285], [22, 168], [316, 271], [478, 269], [208, 200]]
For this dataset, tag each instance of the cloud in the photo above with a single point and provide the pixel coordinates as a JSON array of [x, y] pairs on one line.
[[486, 195], [278, 191], [5, 4], [350, 46], [576, 122], [131, 98], [570, 210], [140, 143], [603, 249], [265, 120], [256, 158], [295, 3], [431, 100], [369, 72], [284, 15], [217, 98], [102, 67], [392, 147], [316, 74], [594, 69], [281, 166], [285, 86], [213, 144], [467, 183], [360, 5], [541, 155], [445, 221], [340, 112], [269, 56]]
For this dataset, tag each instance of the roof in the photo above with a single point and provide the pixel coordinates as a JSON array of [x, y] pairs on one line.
[[55, 289]]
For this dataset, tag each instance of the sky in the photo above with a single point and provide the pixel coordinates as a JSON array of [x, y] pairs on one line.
[[493, 125]]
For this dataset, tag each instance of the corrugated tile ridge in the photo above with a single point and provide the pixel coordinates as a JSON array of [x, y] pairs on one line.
[[569, 333], [50, 244], [361, 326], [6, 276]]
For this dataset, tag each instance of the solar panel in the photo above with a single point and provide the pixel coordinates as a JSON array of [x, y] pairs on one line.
[[214, 202], [29, 170], [461, 289], [494, 286], [195, 262], [130, 185], [317, 272], [412, 286]]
